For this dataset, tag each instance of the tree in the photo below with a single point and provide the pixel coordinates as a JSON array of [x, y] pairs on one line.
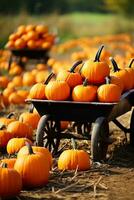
[[121, 6]]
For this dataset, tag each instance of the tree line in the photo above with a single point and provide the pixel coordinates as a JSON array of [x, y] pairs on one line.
[[37, 7]]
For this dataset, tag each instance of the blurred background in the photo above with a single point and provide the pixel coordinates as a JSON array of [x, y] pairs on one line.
[[68, 18]]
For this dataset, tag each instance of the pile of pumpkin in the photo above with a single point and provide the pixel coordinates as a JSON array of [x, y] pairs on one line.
[[31, 37], [93, 81], [27, 160], [16, 83]]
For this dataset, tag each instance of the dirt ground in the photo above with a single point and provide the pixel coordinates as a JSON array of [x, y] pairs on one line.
[[104, 181]]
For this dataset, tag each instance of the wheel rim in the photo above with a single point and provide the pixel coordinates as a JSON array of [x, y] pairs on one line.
[[99, 139]]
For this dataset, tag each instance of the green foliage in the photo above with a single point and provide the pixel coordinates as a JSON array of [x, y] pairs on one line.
[[46, 6], [122, 6]]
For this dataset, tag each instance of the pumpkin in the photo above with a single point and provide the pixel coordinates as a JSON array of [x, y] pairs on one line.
[[10, 182], [73, 158], [15, 144], [4, 81], [9, 161], [20, 129], [23, 93], [38, 90], [71, 77], [45, 151], [6, 92], [96, 71], [109, 92], [117, 81], [57, 90], [64, 124], [130, 70], [5, 136], [15, 70], [17, 80], [123, 74], [28, 79], [31, 165], [85, 92], [7, 120], [15, 98], [30, 118]]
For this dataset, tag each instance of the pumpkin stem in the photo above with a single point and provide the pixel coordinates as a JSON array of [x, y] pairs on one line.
[[2, 126], [4, 165], [81, 68], [49, 78], [30, 150], [85, 82], [107, 78], [114, 63], [131, 62], [97, 57], [10, 115], [31, 108], [75, 65], [73, 143]]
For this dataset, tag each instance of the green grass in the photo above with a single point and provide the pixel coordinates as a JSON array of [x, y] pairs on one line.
[[71, 25]]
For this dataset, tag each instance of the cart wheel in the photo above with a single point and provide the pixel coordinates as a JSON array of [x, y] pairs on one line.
[[99, 139], [48, 134], [132, 129], [82, 128]]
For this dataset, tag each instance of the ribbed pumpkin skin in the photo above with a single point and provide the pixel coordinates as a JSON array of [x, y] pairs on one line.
[[117, 81], [45, 151], [10, 162], [109, 93], [71, 78], [5, 121], [34, 170], [57, 90], [5, 136], [84, 93], [126, 79], [30, 118], [20, 129], [15, 144], [10, 182], [71, 159], [95, 72], [37, 91]]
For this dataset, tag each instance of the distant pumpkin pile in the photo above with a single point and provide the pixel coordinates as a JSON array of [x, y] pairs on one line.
[[92, 82], [31, 37]]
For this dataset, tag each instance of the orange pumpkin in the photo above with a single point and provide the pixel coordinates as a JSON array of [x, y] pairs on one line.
[[96, 71], [123, 74], [57, 90], [45, 151], [5, 136], [31, 164], [15, 144], [109, 93], [15, 98], [117, 81], [10, 182], [9, 161], [20, 129], [30, 118], [85, 92], [37, 91], [73, 159], [71, 77], [7, 120]]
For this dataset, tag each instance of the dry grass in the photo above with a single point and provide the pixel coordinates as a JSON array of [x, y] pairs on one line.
[[70, 25]]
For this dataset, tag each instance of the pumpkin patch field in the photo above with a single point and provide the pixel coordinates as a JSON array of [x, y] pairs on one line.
[[95, 70]]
